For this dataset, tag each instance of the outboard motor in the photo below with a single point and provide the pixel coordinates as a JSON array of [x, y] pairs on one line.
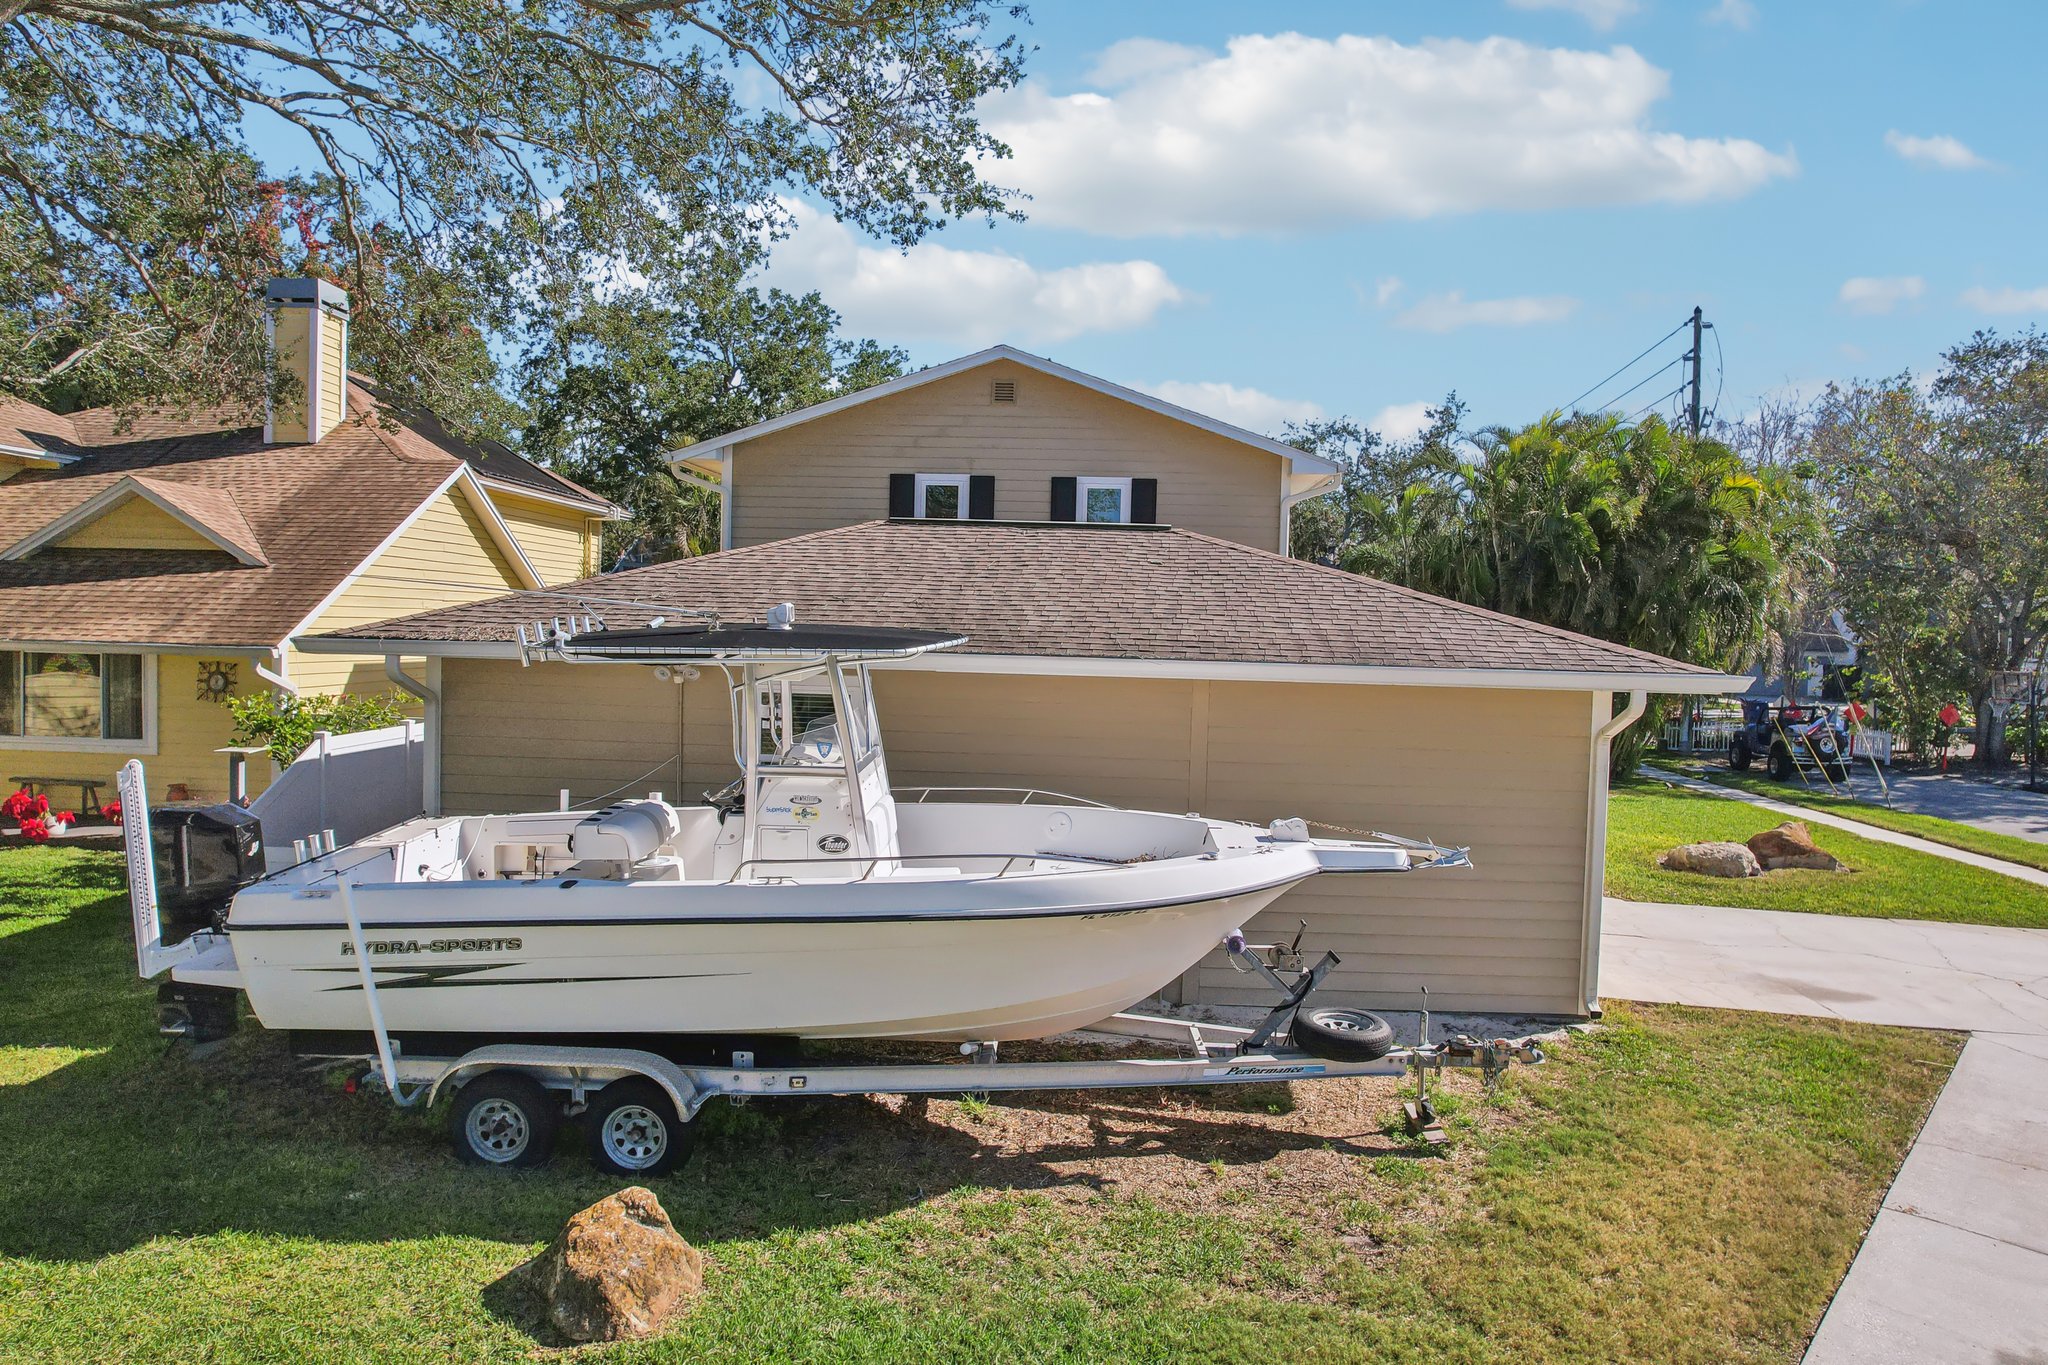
[[203, 855]]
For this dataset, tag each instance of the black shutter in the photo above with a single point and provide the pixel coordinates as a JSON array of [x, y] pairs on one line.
[[981, 497], [903, 495], [1065, 497], [1145, 501]]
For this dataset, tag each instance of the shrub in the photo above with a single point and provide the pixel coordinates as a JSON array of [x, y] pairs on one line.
[[285, 724]]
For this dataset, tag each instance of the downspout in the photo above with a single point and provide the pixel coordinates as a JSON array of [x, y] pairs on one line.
[[1596, 844], [275, 674], [430, 699]]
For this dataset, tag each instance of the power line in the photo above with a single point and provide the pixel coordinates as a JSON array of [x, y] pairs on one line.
[[1653, 403], [1616, 400], [1573, 405]]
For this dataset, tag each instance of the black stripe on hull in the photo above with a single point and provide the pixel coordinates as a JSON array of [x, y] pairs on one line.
[[418, 978]]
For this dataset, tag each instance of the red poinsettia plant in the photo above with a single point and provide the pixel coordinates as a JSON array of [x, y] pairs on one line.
[[22, 806], [35, 829], [111, 812]]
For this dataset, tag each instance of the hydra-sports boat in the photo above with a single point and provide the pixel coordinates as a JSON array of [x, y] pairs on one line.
[[805, 899]]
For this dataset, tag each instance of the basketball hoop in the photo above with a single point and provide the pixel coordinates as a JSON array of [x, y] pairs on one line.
[[2009, 688]]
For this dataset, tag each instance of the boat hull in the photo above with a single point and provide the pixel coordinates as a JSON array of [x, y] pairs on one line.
[[1006, 976]]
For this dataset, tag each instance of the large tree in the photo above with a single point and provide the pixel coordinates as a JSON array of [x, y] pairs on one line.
[[630, 381], [1628, 532], [1940, 499], [483, 163]]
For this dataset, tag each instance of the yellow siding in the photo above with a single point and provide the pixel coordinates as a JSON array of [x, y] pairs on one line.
[[445, 557], [834, 471], [136, 523], [290, 338], [333, 369], [559, 541], [1506, 772], [188, 732]]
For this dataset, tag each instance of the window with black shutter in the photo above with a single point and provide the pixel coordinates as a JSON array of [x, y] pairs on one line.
[[1064, 491], [981, 497]]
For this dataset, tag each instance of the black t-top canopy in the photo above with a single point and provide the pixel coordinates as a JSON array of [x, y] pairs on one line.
[[657, 644]]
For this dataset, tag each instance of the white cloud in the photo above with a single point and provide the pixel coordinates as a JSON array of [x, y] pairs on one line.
[[1401, 421], [1252, 409], [1734, 13], [1601, 14], [1383, 292], [1940, 151], [1448, 312], [1287, 133], [1879, 293], [2007, 300], [940, 293]]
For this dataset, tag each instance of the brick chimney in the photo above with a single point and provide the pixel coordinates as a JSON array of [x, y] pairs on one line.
[[309, 334]]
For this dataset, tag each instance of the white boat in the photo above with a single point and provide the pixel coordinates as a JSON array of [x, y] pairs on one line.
[[808, 899]]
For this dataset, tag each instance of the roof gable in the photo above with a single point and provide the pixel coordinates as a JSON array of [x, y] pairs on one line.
[[136, 512], [705, 454]]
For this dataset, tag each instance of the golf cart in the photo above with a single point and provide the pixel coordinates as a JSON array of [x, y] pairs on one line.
[[1790, 737]]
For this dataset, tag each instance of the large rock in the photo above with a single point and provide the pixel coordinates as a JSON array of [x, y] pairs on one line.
[[1712, 860], [1789, 845], [618, 1271]]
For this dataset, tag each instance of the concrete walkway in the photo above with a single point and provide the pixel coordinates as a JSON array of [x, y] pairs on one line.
[[1882, 836], [1955, 1267]]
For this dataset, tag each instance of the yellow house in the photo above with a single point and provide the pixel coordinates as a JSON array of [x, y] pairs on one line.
[[153, 566]]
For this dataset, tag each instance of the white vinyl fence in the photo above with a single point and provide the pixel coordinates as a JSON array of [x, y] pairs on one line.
[[1711, 737], [352, 785]]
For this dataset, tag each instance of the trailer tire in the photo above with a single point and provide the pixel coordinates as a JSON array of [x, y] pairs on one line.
[[1738, 754], [632, 1128], [504, 1119], [1338, 1034]]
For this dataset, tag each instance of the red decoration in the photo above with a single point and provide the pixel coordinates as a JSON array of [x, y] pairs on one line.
[[35, 829], [1856, 712], [65, 817], [111, 811]]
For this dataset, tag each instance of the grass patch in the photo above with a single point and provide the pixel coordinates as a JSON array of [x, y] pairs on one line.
[[1954, 833], [1683, 1185], [1645, 817]]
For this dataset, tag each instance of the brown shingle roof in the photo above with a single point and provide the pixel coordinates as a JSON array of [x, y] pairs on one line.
[[313, 512], [1070, 591]]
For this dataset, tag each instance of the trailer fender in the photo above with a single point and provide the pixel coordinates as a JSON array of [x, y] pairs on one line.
[[578, 1069]]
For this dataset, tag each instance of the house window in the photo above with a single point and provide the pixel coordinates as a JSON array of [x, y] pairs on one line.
[[941, 496], [64, 698], [1104, 499]]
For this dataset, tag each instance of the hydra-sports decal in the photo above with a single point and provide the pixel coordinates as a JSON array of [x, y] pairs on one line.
[[413, 978], [433, 945]]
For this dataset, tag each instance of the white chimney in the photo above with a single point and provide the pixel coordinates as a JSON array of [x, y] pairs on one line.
[[309, 336]]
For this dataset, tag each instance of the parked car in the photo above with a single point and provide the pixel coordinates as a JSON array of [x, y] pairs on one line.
[[1790, 737]]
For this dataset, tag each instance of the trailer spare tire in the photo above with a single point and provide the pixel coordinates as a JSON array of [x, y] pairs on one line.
[[1340, 1034]]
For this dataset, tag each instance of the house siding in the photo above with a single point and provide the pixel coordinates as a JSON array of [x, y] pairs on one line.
[[136, 524], [834, 470], [1505, 772], [445, 557], [559, 541]]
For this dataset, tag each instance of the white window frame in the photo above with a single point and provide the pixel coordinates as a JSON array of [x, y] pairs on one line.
[[925, 481], [62, 744], [1084, 485]]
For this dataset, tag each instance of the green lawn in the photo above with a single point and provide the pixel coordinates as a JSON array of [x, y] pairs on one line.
[[1684, 1185], [1645, 817], [1954, 833]]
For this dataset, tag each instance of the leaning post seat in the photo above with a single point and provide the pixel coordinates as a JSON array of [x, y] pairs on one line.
[[627, 832]]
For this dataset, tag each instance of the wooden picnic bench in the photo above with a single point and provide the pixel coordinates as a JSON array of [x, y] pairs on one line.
[[88, 788]]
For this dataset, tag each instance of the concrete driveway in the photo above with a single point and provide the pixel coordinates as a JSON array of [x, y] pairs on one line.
[[1955, 1268]]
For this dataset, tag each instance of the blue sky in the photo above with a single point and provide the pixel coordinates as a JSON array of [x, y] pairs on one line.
[[1352, 208]]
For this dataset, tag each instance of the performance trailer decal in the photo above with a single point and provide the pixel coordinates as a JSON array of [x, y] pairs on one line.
[[1264, 1069]]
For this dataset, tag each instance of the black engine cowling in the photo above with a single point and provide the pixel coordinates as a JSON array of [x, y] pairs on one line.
[[203, 855]]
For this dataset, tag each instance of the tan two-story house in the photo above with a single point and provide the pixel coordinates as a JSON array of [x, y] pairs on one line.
[[153, 566], [1137, 635]]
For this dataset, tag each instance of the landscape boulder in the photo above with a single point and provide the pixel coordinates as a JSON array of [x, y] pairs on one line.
[[1712, 860], [1789, 845], [618, 1271]]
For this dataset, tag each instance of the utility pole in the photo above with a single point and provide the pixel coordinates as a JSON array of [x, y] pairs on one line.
[[1694, 410]]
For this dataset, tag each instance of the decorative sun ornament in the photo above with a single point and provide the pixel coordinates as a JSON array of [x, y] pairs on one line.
[[217, 680]]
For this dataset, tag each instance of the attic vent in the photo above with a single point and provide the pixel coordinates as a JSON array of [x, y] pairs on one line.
[[1003, 391]]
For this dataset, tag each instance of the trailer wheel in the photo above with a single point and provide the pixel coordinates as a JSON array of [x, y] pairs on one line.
[[1783, 765], [504, 1119], [1342, 1035], [633, 1129], [1738, 754]]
